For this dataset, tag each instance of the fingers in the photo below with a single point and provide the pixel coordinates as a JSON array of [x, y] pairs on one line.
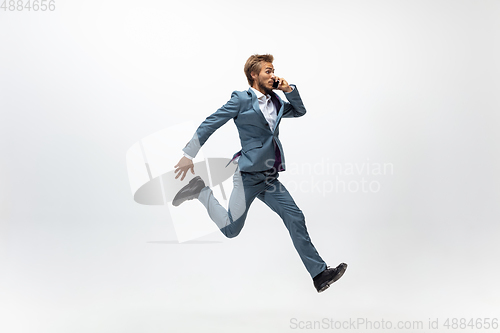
[[282, 83], [181, 168], [284, 86], [183, 171], [179, 171]]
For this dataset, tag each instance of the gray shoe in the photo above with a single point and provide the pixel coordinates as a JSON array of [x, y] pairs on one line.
[[190, 191]]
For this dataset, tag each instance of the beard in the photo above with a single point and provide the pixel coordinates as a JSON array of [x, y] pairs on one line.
[[263, 86]]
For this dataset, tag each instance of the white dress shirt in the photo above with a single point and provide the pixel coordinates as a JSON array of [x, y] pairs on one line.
[[266, 107]]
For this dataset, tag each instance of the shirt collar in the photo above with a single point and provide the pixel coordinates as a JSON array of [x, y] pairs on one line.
[[260, 95]]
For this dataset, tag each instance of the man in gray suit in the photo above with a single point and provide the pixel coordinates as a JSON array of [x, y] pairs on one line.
[[257, 113]]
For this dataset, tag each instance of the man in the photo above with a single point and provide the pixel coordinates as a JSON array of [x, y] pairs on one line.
[[257, 114]]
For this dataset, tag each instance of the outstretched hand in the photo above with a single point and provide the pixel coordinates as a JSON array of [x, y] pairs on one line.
[[183, 166]]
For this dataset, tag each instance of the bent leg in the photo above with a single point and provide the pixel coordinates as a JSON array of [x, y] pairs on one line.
[[230, 222], [276, 196]]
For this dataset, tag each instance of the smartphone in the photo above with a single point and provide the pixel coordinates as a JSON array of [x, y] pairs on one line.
[[276, 84]]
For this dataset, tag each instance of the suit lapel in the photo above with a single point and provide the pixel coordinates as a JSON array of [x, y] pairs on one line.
[[255, 101], [278, 103]]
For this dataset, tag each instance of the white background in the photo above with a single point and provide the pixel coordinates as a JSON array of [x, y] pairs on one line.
[[411, 83]]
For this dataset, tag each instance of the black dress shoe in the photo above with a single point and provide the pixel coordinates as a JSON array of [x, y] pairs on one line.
[[324, 279], [190, 191]]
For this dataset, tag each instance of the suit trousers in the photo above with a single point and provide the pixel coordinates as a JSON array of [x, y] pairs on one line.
[[263, 185]]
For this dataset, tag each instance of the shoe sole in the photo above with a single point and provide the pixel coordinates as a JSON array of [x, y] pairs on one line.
[[176, 202], [338, 276]]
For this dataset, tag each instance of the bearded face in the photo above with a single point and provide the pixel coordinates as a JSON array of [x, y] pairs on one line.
[[264, 81]]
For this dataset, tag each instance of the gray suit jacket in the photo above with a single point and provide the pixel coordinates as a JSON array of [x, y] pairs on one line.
[[260, 145]]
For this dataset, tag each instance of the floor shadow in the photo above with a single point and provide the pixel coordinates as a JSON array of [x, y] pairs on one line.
[[174, 242]]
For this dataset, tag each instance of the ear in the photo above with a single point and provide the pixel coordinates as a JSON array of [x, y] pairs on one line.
[[254, 75]]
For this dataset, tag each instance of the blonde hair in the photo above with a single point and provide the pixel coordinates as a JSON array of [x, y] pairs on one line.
[[254, 65]]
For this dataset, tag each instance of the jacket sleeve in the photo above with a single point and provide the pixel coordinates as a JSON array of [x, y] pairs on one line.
[[211, 124], [295, 107]]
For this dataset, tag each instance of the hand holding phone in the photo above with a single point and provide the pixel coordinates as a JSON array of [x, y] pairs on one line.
[[276, 84]]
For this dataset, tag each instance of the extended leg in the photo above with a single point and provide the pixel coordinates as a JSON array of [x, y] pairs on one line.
[[276, 196]]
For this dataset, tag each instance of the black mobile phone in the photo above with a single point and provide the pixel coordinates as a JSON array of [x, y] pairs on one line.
[[276, 84]]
